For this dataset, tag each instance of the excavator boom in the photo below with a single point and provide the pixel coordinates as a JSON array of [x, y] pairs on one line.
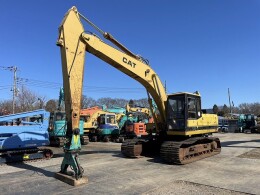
[[131, 66], [73, 59]]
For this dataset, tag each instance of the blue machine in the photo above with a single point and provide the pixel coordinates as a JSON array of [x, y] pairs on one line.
[[58, 124], [22, 133], [107, 127], [57, 129], [114, 109]]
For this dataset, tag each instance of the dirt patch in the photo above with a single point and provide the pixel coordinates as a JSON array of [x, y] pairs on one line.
[[253, 154]]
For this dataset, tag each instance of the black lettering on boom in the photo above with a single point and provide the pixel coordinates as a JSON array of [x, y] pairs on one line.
[[129, 62]]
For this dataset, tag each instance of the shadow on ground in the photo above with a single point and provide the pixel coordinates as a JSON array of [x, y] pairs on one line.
[[35, 170], [89, 152], [234, 144]]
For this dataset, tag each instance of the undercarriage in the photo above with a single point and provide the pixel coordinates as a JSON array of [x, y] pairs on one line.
[[174, 152], [25, 155]]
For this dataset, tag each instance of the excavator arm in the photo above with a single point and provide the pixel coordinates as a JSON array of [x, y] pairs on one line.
[[132, 67], [74, 43], [72, 57]]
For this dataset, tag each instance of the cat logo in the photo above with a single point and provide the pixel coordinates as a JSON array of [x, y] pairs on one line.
[[129, 62]]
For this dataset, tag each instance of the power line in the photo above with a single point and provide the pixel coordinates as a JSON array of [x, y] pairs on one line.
[[4, 88], [5, 85], [7, 68], [55, 85], [86, 89], [14, 89]]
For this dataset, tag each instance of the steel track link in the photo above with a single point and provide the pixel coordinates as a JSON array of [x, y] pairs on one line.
[[187, 151], [26, 155], [131, 148], [85, 140]]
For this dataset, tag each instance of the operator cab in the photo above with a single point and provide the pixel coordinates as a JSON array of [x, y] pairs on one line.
[[107, 119], [182, 107], [55, 118]]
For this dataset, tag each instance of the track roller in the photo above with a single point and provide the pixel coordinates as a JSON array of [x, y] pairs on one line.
[[190, 150], [131, 148]]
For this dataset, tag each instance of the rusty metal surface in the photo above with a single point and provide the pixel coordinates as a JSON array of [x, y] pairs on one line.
[[85, 140], [131, 148]]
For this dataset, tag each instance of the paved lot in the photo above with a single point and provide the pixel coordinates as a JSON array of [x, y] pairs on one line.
[[236, 170]]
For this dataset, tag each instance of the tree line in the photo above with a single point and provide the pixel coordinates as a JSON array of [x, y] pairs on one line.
[[244, 108], [27, 100]]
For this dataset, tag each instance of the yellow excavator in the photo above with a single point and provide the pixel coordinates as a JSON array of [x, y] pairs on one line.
[[181, 134]]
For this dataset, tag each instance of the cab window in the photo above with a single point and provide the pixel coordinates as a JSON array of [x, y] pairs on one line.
[[111, 119], [176, 108], [191, 108]]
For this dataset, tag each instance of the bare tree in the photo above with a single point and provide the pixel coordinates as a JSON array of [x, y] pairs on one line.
[[6, 107], [225, 110], [244, 108], [41, 101], [215, 109], [109, 102], [121, 102], [51, 105], [236, 110], [88, 102], [252, 108], [255, 108], [131, 103], [142, 102], [26, 100]]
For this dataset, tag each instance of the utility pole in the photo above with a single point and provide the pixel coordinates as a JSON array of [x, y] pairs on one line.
[[14, 89], [14, 69], [230, 107]]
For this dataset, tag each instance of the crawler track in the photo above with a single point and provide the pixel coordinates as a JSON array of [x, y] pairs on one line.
[[131, 148], [177, 152], [190, 150], [84, 140], [25, 155], [57, 141]]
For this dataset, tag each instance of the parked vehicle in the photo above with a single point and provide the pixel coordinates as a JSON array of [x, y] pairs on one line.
[[57, 125], [23, 135]]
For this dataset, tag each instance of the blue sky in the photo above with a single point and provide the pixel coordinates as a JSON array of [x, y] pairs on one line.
[[202, 45]]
